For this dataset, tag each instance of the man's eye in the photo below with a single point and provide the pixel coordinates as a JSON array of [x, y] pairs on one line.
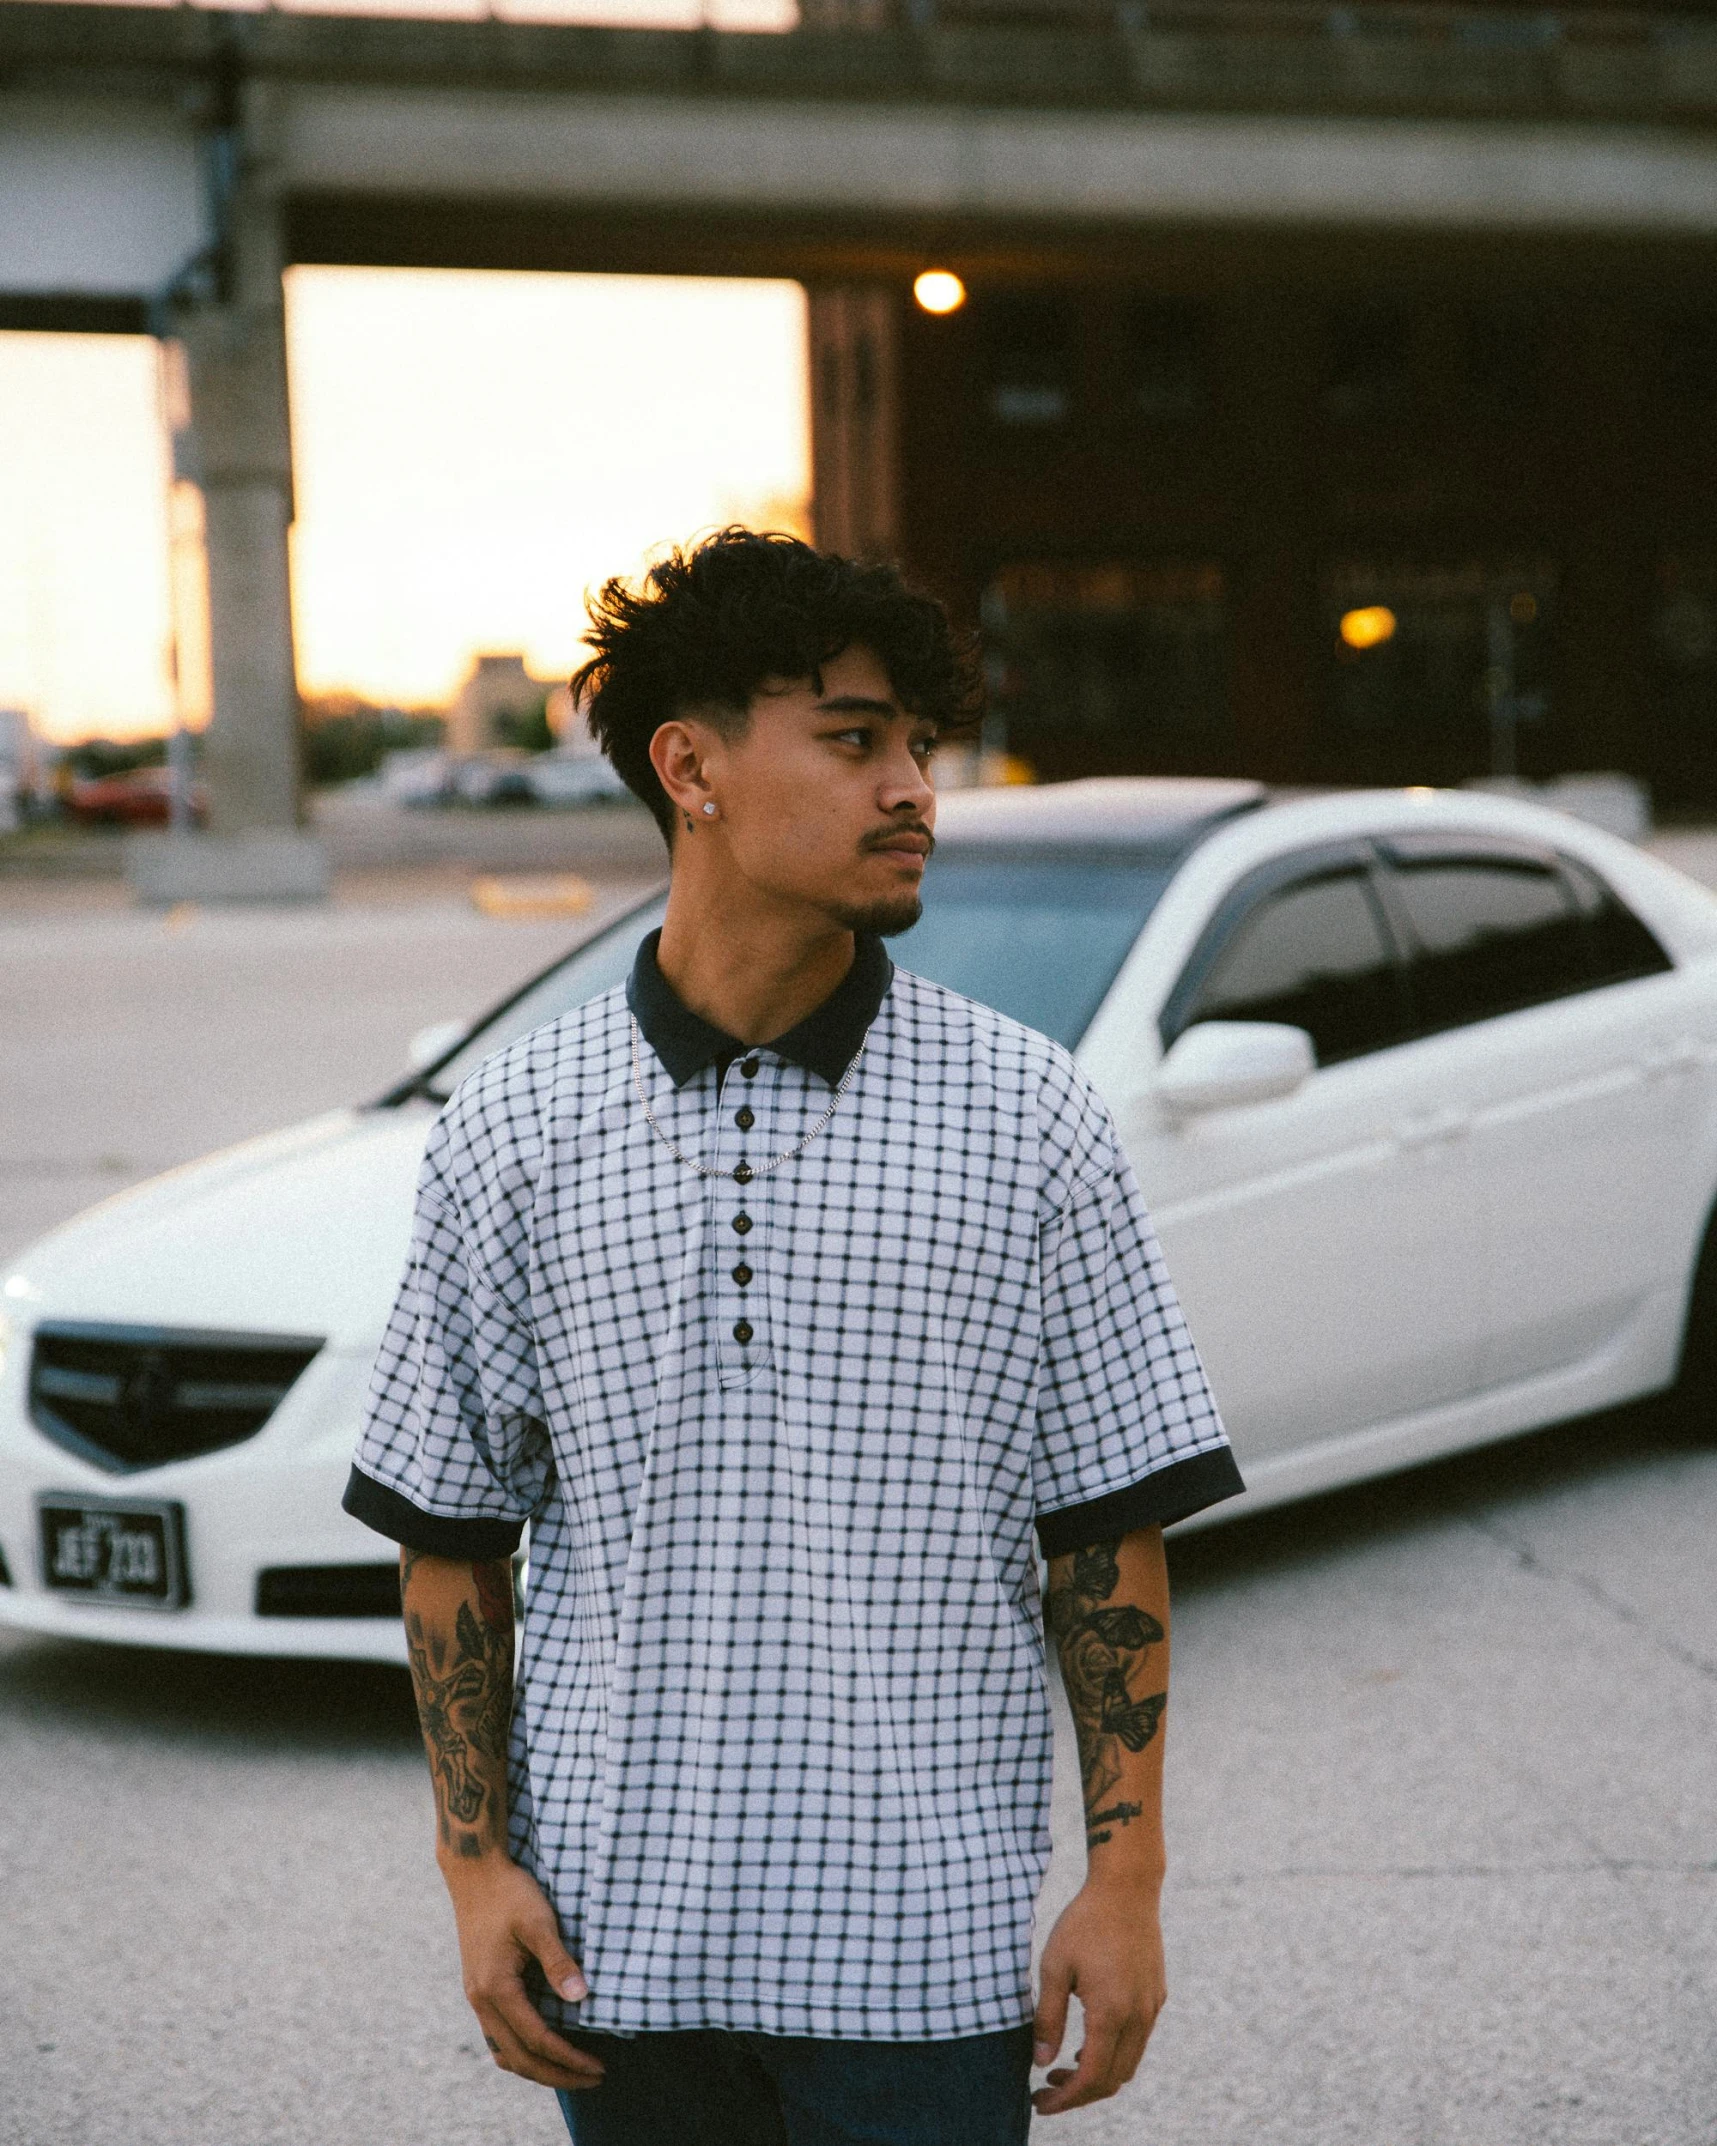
[[927, 748]]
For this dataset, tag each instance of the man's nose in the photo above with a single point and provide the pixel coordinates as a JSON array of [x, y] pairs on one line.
[[906, 785]]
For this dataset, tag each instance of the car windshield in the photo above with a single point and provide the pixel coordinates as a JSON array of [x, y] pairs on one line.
[[1039, 937]]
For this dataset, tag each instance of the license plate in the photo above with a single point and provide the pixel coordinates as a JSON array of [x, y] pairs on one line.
[[115, 1550]]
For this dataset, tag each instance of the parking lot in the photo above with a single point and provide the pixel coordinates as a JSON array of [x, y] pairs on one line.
[[1441, 1756]]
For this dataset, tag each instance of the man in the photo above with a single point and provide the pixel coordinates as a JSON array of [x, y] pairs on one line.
[[783, 1295]]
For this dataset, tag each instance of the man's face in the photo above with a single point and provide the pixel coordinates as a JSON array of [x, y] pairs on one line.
[[825, 799]]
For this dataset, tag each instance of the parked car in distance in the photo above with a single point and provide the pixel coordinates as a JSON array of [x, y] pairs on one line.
[[500, 776], [1421, 1088], [416, 775], [140, 797], [506, 775], [573, 778]]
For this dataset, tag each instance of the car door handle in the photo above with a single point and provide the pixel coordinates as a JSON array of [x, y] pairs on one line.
[[1432, 1128], [1668, 1061]]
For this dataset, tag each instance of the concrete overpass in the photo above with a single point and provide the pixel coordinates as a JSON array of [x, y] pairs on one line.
[[159, 167]]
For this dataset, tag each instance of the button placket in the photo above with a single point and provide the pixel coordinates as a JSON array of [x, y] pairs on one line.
[[744, 1132]]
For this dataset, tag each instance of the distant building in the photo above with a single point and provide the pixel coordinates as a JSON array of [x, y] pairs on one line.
[[22, 767], [1359, 499], [499, 693], [571, 733]]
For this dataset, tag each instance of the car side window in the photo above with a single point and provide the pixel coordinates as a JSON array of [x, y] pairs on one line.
[[1313, 955], [1488, 936], [1618, 945]]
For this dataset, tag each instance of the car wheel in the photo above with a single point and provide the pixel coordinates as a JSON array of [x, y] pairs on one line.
[[1694, 1394]]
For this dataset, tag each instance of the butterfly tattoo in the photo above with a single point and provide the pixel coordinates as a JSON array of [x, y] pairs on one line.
[[1102, 1645]]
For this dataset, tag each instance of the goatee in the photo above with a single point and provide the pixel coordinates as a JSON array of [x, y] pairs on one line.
[[886, 919]]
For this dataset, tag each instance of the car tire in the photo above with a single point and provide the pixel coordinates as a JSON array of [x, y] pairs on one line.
[[1693, 1397]]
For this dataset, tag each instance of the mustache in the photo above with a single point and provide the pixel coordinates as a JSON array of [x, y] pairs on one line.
[[885, 837]]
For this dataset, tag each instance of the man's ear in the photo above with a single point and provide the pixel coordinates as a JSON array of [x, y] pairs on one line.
[[677, 755]]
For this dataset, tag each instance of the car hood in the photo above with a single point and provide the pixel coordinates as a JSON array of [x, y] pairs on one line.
[[302, 1232]]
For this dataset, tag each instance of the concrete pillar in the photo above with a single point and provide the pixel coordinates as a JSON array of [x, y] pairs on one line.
[[239, 455], [237, 449], [855, 420]]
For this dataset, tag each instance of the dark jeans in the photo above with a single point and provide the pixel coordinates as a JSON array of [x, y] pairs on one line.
[[718, 2089]]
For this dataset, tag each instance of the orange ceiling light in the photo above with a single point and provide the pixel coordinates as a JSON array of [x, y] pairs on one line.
[[1368, 627], [939, 290]]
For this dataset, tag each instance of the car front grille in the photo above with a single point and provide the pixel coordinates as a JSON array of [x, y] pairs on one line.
[[130, 1397], [328, 1591]]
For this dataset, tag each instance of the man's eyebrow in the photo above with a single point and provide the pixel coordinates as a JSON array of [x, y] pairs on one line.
[[857, 704]]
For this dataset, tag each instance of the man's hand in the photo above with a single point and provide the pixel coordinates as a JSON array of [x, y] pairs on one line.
[[459, 1638], [1107, 1609], [1107, 1948], [505, 1919]]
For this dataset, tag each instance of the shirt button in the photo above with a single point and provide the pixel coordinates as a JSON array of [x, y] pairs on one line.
[[742, 1223], [742, 1332], [742, 1274], [751, 1067], [743, 1173], [745, 1119]]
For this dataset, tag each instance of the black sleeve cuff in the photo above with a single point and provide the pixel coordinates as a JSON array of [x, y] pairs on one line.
[[1171, 1494], [400, 1521]]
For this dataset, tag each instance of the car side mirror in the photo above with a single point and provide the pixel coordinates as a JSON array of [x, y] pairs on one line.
[[434, 1042], [1219, 1065]]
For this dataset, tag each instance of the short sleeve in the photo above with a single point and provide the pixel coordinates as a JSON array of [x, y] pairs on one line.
[[1128, 1433], [454, 1457]]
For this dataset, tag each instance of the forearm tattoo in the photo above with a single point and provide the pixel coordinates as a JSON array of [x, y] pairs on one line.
[[1102, 1648], [464, 1685]]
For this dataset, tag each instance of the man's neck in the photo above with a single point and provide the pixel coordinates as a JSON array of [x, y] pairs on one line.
[[756, 974]]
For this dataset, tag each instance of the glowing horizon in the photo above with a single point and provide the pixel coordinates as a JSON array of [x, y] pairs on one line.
[[472, 451]]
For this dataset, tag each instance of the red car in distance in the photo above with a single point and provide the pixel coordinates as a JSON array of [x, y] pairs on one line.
[[140, 797]]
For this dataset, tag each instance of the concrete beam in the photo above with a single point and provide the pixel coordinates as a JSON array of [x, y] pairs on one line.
[[103, 196], [1654, 62], [1062, 168]]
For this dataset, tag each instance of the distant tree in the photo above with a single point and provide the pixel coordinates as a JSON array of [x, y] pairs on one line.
[[345, 738], [96, 757], [528, 727]]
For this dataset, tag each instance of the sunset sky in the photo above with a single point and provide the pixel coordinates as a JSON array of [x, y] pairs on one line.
[[472, 452]]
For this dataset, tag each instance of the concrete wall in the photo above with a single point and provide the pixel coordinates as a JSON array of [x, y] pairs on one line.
[[101, 197], [1055, 168]]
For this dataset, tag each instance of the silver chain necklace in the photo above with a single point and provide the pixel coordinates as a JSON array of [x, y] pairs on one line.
[[742, 1173]]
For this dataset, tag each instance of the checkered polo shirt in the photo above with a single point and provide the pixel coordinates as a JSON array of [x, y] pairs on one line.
[[781, 1744]]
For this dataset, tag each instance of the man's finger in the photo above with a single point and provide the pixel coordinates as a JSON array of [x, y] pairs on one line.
[[513, 2010], [511, 2055], [1129, 2053], [1090, 2078], [1049, 2029], [539, 1933]]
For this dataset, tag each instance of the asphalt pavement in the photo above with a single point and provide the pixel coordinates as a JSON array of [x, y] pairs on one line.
[[1441, 1750]]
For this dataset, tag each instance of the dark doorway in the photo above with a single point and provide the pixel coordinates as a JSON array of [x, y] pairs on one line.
[[1110, 669], [1438, 671], [1682, 746]]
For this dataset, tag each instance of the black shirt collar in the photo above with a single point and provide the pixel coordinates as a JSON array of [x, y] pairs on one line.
[[824, 1042]]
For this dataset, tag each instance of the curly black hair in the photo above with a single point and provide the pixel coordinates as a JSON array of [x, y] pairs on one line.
[[709, 626]]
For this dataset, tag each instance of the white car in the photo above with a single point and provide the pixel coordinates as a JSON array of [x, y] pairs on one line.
[[1421, 1086], [559, 777]]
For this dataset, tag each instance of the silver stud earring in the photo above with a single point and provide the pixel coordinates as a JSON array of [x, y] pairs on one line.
[[709, 812]]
